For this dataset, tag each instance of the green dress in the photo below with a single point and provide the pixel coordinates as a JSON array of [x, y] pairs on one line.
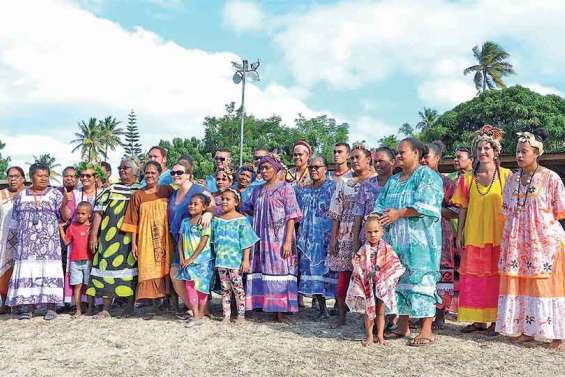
[[114, 268]]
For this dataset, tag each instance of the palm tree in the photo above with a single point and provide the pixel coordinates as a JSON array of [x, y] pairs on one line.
[[428, 118], [491, 68], [110, 134], [48, 160], [89, 140]]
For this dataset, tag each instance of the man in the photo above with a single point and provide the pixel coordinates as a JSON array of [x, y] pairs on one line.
[[257, 155], [463, 162], [222, 160], [108, 170], [159, 155], [341, 158], [69, 179]]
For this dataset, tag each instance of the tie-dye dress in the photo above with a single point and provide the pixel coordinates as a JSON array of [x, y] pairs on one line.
[[200, 271]]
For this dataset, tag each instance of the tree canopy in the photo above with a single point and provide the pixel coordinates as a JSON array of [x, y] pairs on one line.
[[513, 109], [491, 68], [4, 161]]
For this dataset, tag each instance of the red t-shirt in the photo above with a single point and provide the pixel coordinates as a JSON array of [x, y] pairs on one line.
[[77, 234]]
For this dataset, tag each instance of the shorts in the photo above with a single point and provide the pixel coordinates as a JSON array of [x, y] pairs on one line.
[[80, 272]]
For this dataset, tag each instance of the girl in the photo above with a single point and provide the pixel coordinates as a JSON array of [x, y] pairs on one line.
[[224, 180], [233, 238], [195, 258], [376, 270]]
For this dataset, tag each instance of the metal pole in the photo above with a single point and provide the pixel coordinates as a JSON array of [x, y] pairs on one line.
[[242, 115]]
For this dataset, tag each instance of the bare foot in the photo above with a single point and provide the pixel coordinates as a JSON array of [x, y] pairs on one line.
[[557, 345], [367, 342], [381, 340], [77, 314], [226, 320], [523, 339], [104, 314]]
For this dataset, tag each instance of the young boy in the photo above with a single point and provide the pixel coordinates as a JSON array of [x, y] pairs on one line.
[[80, 259]]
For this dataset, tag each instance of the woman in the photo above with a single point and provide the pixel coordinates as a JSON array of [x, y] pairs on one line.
[[16, 180], [342, 244], [479, 196], [532, 256], [383, 163], [271, 282], [37, 278], [298, 176], [114, 269], [178, 211], [146, 222], [89, 174], [410, 210], [434, 152], [245, 177], [314, 235]]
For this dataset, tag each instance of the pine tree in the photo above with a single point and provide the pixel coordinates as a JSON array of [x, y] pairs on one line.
[[132, 146]]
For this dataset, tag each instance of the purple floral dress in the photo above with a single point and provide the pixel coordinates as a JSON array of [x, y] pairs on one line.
[[366, 198], [38, 271], [272, 279]]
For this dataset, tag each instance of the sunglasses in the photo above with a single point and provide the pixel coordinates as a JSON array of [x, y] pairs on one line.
[[257, 158], [177, 172], [219, 158], [316, 167], [86, 175]]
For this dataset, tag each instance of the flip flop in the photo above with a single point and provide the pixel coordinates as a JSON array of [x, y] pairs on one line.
[[472, 328], [421, 342], [24, 316], [50, 315]]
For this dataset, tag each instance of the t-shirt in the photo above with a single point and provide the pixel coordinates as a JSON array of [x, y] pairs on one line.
[[191, 234], [77, 234], [231, 237]]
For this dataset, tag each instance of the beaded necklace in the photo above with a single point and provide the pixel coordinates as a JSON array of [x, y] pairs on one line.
[[528, 188], [489, 186]]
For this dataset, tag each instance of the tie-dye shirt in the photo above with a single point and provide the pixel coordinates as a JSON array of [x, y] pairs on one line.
[[231, 237]]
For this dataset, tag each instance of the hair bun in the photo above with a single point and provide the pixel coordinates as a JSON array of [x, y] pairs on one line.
[[540, 133], [440, 145]]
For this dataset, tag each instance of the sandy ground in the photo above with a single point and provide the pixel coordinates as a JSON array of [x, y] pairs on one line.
[[163, 347]]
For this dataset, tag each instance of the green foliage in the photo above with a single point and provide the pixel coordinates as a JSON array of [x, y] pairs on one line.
[[390, 141], [322, 133], [193, 147], [50, 161], [512, 109], [491, 68], [406, 129], [427, 118], [110, 134], [132, 146], [89, 140], [4, 161]]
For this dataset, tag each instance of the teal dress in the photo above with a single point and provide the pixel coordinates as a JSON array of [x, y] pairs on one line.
[[200, 271], [416, 240], [231, 237]]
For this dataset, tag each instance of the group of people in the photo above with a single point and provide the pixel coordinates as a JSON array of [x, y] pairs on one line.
[[383, 233]]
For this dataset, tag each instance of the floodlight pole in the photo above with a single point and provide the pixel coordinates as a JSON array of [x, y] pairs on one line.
[[242, 113]]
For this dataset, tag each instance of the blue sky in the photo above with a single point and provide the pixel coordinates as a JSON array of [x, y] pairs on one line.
[[373, 64]]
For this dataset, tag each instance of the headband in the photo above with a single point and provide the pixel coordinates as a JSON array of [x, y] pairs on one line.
[[305, 145], [276, 164], [235, 192], [490, 134], [528, 137]]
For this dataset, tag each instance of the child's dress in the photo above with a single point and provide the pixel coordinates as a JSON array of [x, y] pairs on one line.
[[199, 271], [375, 275], [231, 237]]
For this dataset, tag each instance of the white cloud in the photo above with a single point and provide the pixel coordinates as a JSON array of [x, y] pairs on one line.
[[60, 56], [446, 91], [355, 44], [542, 89], [370, 130], [243, 16]]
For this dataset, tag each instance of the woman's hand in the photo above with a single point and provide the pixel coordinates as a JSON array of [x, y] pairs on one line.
[[287, 249], [187, 262], [92, 244], [390, 216], [134, 250], [206, 219], [245, 266]]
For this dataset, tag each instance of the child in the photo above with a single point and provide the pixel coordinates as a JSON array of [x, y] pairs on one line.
[[376, 270], [233, 238], [195, 258], [80, 259], [224, 180]]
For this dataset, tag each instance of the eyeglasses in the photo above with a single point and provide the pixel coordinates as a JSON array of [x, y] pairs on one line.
[[316, 167], [219, 158], [177, 172], [86, 175], [15, 177]]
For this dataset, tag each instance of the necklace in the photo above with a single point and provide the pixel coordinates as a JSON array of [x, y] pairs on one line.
[[489, 186], [528, 187]]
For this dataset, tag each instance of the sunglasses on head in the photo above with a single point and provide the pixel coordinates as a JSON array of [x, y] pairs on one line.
[[177, 172], [86, 175]]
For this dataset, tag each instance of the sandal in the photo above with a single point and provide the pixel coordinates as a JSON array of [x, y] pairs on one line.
[[50, 315], [395, 335], [104, 314], [193, 323], [421, 342], [24, 315], [472, 328]]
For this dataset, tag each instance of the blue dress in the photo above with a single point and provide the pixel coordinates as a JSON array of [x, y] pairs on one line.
[[200, 271], [416, 240], [313, 238]]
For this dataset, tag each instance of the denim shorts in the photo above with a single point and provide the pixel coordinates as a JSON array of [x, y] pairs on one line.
[[80, 272]]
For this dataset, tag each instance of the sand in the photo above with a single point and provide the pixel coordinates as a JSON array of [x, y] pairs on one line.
[[164, 347]]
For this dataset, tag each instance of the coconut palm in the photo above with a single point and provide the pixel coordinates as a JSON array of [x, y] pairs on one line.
[[48, 160], [110, 134], [491, 68], [427, 118], [89, 140]]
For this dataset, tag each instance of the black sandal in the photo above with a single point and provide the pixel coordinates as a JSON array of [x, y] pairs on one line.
[[472, 328]]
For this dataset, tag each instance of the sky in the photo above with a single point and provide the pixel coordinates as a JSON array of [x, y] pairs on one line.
[[372, 64]]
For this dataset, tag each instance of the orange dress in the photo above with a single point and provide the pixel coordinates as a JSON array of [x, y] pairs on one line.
[[479, 278], [146, 216], [532, 258]]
